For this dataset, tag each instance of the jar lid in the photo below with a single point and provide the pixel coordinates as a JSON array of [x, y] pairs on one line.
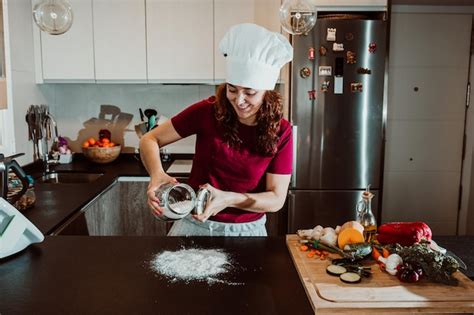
[[203, 196]]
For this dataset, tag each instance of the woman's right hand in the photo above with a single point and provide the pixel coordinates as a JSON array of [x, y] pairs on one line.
[[153, 186]]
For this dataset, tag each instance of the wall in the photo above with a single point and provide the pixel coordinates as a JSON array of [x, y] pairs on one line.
[[24, 90], [7, 140], [76, 108]]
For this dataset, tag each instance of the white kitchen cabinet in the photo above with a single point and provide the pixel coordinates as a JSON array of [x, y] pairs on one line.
[[70, 56], [180, 41], [427, 86], [229, 12], [146, 41], [120, 40]]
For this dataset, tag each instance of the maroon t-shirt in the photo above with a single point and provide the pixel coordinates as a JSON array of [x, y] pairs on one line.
[[239, 170]]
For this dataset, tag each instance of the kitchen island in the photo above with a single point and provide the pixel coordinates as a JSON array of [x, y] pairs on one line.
[[112, 275], [102, 275]]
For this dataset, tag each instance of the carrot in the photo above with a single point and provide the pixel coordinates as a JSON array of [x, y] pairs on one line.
[[310, 254], [382, 266], [385, 252], [303, 248], [375, 254]]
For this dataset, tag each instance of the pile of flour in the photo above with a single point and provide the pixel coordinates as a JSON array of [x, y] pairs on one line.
[[192, 264]]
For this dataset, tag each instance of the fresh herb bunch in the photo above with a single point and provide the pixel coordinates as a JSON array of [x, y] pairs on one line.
[[436, 266]]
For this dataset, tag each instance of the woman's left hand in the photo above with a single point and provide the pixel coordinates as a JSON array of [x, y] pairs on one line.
[[218, 201]]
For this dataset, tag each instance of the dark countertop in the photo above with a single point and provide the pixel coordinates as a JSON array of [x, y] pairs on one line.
[[111, 275], [461, 246], [56, 203]]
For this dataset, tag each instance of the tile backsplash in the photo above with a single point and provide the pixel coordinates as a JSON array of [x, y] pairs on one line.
[[81, 111]]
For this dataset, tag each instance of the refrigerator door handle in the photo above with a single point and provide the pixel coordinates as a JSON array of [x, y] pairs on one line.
[[295, 154], [291, 211]]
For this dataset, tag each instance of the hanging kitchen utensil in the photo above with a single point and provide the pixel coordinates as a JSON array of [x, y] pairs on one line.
[[142, 117], [53, 16]]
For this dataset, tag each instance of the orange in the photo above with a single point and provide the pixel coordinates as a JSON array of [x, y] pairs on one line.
[[105, 140], [111, 144], [91, 141], [85, 144]]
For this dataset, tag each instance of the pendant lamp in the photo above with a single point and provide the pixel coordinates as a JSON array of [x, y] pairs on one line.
[[53, 16], [297, 17]]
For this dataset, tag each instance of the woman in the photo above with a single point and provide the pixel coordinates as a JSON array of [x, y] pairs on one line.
[[243, 150]]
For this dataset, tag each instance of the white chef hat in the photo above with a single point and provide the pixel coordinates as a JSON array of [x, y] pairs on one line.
[[254, 56]]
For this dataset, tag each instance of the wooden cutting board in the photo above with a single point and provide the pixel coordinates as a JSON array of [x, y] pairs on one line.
[[379, 293]]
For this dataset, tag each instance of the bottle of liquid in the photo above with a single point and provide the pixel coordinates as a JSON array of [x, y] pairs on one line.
[[365, 216]]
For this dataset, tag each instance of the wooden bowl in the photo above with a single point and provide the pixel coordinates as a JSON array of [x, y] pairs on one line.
[[102, 155]]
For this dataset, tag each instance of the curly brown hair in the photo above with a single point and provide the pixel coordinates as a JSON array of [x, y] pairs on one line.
[[268, 121]]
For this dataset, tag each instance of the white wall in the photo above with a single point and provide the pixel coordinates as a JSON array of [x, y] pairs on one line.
[[24, 89], [7, 139], [76, 108]]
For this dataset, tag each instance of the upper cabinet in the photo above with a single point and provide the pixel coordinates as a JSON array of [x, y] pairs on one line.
[[140, 41], [120, 40], [180, 40], [70, 56]]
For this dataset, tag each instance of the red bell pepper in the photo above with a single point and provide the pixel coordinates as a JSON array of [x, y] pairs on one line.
[[403, 233]]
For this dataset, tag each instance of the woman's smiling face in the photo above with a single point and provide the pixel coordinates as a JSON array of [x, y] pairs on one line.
[[246, 102]]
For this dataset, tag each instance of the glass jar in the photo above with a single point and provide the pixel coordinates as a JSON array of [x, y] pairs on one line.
[[179, 200]]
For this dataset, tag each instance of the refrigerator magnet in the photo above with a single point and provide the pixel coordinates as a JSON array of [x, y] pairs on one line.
[[349, 36], [372, 48], [338, 85], [364, 71], [339, 67], [325, 86], [338, 47], [311, 53], [331, 35], [325, 70], [305, 72], [351, 57], [312, 95], [356, 87], [322, 51]]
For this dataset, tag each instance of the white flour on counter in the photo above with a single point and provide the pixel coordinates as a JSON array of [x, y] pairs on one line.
[[192, 264]]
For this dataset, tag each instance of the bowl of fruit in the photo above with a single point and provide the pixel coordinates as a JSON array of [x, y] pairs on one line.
[[101, 150]]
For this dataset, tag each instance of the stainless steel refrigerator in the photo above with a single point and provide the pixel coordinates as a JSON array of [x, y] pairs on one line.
[[338, 115]]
